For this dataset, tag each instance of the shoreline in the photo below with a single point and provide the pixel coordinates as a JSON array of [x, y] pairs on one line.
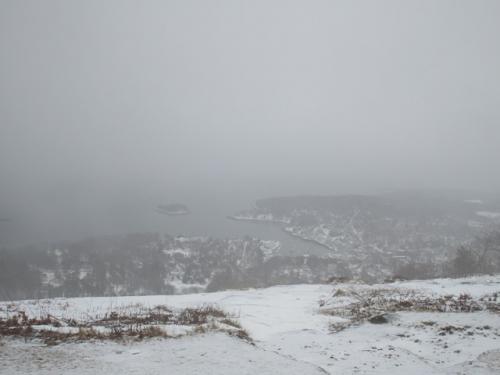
[[280, 224]]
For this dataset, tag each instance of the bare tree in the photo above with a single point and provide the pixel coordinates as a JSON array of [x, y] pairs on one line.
[[480, 256]]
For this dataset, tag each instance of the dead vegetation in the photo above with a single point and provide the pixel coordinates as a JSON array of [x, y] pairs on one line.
[[376, 305], [199, 315], [136, 324]]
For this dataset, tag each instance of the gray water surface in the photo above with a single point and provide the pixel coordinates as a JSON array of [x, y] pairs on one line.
[[209, 217]]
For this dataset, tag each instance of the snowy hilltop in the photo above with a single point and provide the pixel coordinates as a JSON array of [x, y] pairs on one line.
[[439, 326]]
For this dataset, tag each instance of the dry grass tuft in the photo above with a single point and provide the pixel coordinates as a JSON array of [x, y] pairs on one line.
[[138, 323], [371, 303]]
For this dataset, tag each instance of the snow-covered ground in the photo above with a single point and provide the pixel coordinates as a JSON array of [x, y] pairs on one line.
[[208, 354], [291, 331]]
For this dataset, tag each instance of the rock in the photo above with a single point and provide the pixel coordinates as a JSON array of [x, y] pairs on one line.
[[378, 319], [339, 293]]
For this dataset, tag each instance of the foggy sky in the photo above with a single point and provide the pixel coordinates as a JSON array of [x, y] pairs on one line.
[[106, 98]]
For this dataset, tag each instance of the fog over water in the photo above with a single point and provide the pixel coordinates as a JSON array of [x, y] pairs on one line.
[[108, 109]]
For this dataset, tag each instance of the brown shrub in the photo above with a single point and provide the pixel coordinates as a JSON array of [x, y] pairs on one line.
[[201, 315], [139, 324]]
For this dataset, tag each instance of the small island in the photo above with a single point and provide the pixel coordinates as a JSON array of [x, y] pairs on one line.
[[173, 209]]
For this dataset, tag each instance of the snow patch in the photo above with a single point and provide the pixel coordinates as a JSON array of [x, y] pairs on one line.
[[488, 214]]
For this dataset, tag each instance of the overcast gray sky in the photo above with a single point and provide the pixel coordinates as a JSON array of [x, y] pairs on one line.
[[101, 98]]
